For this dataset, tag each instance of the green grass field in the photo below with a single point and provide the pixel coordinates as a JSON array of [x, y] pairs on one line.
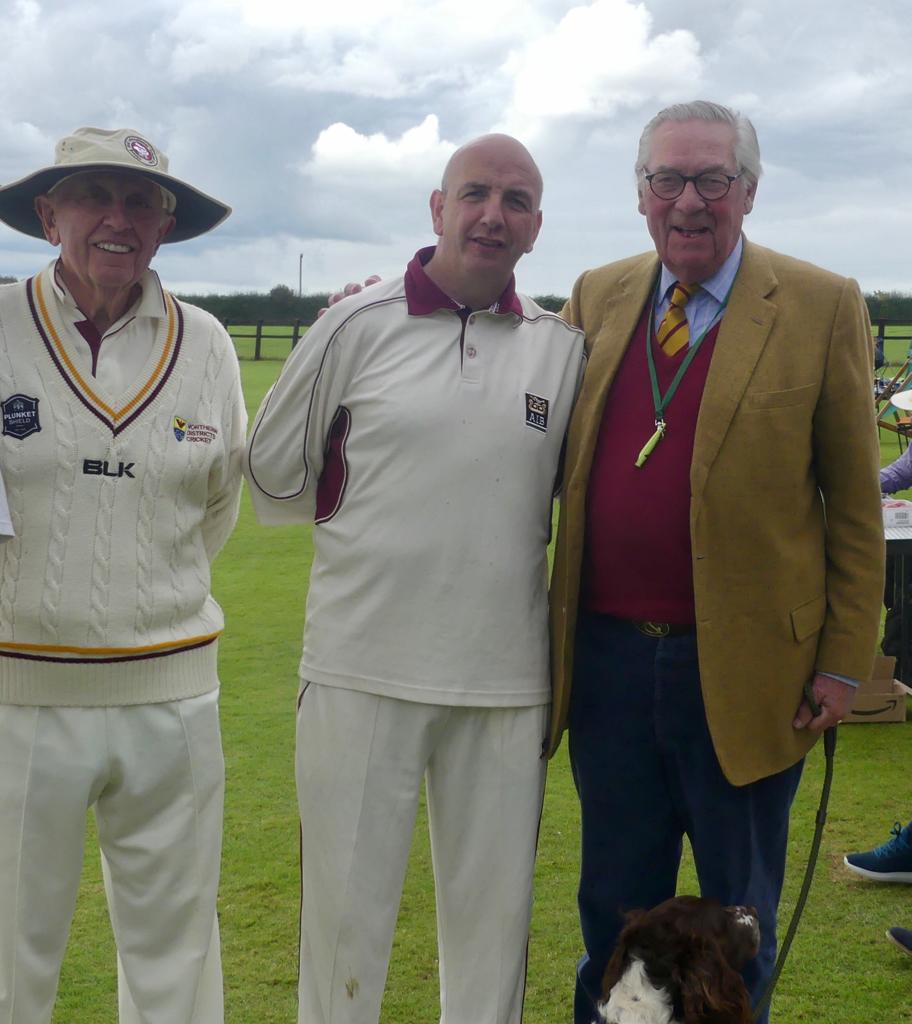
[[896, 344], [841, 969], [275, 342]]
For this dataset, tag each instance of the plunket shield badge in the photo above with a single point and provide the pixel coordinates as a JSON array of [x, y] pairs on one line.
[[20, 416]]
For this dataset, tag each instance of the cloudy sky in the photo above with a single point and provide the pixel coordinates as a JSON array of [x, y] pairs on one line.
[[326, 123]]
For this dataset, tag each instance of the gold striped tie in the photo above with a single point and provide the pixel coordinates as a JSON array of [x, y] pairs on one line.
[[673, 334]]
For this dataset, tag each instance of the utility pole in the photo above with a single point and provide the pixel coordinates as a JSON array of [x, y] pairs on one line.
[[300, 272]]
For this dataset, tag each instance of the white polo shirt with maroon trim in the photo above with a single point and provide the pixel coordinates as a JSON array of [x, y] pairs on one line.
[[424, 442]]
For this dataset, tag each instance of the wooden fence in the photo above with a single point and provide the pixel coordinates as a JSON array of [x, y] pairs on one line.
[[274, 339], [903, 333], [266, 339]]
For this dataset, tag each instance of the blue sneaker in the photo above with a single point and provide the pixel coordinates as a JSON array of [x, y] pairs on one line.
[[891, 862], [902, 937]]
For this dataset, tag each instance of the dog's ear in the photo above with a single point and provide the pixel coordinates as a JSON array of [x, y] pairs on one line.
[[711, 991], [613, 971], [621, 954], [741, 936]]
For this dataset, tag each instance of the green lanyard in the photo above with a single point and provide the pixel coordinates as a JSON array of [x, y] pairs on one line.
[[660, 401]]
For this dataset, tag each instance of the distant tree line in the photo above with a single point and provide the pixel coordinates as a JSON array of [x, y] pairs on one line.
[[554, 303], [890, 306], [248, 307], [283, 303]]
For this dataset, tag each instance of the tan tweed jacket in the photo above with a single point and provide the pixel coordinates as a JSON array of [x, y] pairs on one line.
[[785, 514]]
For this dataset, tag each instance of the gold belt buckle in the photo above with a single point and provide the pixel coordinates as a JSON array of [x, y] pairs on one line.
[[654, 629]]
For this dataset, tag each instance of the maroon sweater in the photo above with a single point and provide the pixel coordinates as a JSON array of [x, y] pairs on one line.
[[637, 562]]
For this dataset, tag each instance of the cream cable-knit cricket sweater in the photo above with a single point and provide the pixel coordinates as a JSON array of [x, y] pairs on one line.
[[119, 503]]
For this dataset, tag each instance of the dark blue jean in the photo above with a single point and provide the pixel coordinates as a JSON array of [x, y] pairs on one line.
[[647, 775]]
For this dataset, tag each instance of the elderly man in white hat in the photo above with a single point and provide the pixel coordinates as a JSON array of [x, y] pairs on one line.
[[123, 424]]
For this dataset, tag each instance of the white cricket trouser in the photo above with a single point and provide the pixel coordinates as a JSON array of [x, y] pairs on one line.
[[360, 762], [154, 774]]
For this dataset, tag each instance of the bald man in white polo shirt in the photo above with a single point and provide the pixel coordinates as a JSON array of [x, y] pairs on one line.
[[419, 425]]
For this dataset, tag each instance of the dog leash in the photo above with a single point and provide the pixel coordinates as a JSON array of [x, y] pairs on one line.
[[829, 750]]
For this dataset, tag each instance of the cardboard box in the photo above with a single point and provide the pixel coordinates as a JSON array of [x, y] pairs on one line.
[[884, 670], [881, 698], [896, 512]]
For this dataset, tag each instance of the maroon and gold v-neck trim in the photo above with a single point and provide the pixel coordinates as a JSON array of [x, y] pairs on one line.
[[140, 396]]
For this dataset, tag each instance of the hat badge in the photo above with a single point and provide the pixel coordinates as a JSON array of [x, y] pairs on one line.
[[141, 150]]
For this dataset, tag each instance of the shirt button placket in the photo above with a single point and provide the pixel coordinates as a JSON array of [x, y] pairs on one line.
[[471, 356]]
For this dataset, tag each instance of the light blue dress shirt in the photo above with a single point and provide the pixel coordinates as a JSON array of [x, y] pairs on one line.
[[706, 306]]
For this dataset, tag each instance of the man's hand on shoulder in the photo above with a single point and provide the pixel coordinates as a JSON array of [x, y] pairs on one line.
[[352, 288]]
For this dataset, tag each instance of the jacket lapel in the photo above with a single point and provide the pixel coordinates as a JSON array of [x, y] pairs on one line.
[[742, 336], [622, 306]]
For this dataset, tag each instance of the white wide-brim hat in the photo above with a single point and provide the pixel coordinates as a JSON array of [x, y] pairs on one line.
[[120, 150], [902, 400]]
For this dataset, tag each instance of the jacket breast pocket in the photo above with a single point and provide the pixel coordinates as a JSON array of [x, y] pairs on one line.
[[758, 400], [807, 618]]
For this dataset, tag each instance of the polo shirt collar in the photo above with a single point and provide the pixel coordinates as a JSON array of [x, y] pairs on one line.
[[151, 302], [423, 296]]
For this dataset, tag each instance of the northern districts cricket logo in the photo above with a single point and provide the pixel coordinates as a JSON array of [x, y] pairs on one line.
[[193, 432]]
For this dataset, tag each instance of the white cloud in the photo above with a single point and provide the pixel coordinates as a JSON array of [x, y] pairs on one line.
[[364, 18], [599, 58], [391, 49], [372, 187], [327, 125], [28, 12], [345, 156]]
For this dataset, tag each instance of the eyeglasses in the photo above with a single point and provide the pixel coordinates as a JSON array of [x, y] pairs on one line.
[[709, 185]]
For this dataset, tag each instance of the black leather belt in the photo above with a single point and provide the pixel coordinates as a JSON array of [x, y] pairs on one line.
[[657, 630]]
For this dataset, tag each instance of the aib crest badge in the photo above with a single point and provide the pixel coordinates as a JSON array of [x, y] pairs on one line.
[[536, 412], [20, 416], [180, 428]]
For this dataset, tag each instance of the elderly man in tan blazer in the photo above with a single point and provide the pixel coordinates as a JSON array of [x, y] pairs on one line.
[[720, 543]]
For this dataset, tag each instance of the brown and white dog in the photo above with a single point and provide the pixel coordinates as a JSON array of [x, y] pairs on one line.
[[678, 964]]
